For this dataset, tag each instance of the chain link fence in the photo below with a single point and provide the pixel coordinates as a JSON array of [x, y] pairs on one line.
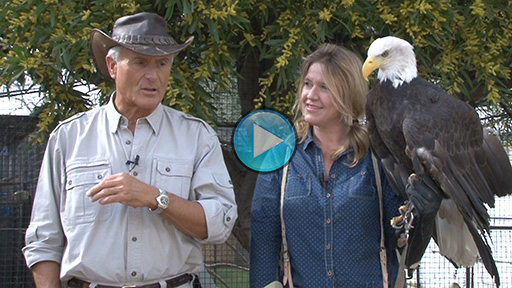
[[226, 265], [19, 169]]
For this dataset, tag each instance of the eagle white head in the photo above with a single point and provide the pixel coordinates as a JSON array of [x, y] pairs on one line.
[[395, 59]]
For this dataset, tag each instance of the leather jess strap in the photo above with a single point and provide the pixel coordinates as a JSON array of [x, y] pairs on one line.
[[171, 283]]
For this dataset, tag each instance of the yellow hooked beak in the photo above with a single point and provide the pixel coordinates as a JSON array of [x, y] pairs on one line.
[[370, 65]]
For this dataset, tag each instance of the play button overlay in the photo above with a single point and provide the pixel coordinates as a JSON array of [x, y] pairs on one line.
[[264, 140]]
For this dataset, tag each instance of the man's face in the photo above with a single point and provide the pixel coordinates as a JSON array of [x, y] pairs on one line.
[[141, 81]]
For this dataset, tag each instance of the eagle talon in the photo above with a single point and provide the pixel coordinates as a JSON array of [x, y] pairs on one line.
[[403, 209], [401, 226], [412, 179], [398, 222]]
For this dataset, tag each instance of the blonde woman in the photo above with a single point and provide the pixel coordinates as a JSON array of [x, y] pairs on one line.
[[331, 204]]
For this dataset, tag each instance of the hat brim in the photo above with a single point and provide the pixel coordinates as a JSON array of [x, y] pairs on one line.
[[100, 43]]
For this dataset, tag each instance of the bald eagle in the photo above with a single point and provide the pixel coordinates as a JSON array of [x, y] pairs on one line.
[[436, 155]]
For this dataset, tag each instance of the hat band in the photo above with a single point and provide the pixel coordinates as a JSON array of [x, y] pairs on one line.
[[144, 40]]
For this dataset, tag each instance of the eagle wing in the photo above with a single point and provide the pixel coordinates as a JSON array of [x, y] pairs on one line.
[[444, 138], [386, 141]]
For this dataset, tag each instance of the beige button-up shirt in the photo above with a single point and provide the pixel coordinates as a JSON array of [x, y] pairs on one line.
[[115, 244]]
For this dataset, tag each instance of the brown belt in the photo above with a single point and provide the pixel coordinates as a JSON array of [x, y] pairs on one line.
[[171, 283]]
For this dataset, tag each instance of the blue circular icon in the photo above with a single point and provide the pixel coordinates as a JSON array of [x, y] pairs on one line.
[[264, 140]]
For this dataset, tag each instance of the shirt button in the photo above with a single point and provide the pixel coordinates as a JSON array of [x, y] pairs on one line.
[[70, 182], [328, 247], [329, 273], [134, 273], [328, 221], [333, 176], [167, 169], [328, 195], [100, 177], [135, 173], [128, 142], [134, 239]]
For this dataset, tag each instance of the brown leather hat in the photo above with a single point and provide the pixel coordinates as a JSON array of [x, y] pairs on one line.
[[144, 33]]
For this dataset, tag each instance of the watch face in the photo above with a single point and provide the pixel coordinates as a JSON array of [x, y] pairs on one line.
[[164, 201]]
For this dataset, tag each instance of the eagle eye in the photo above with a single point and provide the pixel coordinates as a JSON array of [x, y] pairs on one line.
[[385, 53]]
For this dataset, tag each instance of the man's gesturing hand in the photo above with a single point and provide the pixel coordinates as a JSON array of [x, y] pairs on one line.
[[125, 189]]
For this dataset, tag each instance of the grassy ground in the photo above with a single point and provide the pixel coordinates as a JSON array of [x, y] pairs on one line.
[[230, 277]]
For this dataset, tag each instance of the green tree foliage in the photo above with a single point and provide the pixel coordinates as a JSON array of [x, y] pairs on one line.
[[257, 46]]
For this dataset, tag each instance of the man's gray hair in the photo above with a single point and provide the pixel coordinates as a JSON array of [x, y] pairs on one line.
[[114, 52]]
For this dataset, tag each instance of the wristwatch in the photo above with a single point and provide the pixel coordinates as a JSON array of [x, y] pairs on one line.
[[162, 200]]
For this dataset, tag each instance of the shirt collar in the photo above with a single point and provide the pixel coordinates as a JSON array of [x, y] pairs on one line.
[[310, 141], [115, 118], [155, 119]]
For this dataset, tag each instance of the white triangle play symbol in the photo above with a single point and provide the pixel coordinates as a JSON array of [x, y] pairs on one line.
[[263, 140]]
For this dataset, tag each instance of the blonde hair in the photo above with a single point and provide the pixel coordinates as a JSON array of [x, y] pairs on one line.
[[341, 69]]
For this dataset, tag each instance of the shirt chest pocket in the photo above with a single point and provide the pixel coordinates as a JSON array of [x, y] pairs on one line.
[[78, 208], [173, 176], [298, 186]]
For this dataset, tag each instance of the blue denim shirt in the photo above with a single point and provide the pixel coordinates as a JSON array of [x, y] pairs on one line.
[[333, 233]]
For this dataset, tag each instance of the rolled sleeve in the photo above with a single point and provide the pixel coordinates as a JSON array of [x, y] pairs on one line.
[[214, 191], [44, 238], [37, 250], [220, 219]]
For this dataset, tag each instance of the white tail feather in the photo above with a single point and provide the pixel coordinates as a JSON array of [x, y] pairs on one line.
[[453, 237]]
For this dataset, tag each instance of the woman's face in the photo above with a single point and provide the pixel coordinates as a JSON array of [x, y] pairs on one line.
[[316, 100]]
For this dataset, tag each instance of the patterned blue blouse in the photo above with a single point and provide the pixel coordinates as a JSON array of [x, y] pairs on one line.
[[333, 233]]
